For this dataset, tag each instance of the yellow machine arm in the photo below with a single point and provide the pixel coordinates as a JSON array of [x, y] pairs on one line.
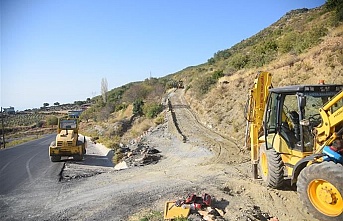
[[332, 117], [254, 113]]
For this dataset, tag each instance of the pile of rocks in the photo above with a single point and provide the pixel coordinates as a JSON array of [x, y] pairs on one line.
[[138, 155]]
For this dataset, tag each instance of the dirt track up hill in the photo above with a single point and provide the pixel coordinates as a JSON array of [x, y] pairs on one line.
[[193, 132]]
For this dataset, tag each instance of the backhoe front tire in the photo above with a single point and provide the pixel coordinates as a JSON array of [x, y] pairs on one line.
[[321, 191], [271, 167]]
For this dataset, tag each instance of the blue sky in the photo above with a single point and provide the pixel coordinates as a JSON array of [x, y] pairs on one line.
[[58, 51]]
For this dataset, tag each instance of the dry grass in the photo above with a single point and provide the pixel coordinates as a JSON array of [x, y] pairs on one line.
[[139, 127], [223, 106]]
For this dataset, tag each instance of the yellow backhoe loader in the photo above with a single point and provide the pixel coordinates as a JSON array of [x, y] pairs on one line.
[[67, 141], [295, 135]]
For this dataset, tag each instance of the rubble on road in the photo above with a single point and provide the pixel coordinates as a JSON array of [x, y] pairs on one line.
[[141, 154]]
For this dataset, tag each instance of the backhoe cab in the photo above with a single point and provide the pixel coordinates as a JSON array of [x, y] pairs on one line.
[[295, 133]]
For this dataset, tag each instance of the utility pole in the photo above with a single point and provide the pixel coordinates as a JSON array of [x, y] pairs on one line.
[[3, 129]]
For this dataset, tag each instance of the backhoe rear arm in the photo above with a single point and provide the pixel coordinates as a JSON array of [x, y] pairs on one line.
[[255, 111]]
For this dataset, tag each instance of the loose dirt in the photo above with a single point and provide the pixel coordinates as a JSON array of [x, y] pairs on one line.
[[194, 160]]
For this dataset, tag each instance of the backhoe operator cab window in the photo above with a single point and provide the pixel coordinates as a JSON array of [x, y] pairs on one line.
[[293, 115], [282, 117], [271, 114]]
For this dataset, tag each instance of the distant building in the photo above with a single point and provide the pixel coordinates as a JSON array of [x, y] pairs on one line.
[[9, 110]]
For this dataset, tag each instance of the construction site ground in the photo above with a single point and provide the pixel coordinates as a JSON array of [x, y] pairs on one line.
[[194, 159]]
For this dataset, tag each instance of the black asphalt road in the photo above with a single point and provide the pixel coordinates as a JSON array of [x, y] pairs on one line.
[[27, 163]]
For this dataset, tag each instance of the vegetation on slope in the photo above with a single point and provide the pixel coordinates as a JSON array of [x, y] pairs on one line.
[[125, 113], [303, 46]]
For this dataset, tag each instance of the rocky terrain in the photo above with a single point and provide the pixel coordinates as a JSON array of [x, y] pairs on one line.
[[191, 160]]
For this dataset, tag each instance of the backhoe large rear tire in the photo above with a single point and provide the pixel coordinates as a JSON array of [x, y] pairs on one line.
[[321, 191], [271, 167]]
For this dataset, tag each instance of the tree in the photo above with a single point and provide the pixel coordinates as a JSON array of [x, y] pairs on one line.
[[104, 89], [152, 110], [105, 112], [135, 92], [157, 92], [56, 103], [211, 61], [87, 114], [217, 74], [138, 107], [46, 104], [52, 120]]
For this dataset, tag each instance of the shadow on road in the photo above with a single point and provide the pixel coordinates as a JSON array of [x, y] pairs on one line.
[[94, 160]]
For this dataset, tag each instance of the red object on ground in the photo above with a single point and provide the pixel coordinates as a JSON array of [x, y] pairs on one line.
[[190, 198]]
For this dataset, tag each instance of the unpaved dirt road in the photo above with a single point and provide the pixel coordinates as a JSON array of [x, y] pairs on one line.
[[205, 163]]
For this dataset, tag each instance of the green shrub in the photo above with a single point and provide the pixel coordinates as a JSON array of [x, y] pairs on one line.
[[217, 74], [211, 61], [152, 110], [300, 42], [87, 114], [52, 120], [138, 107], [286, 43], [40, 124], [239, 61], [121, 106], [222, 54], [159, 120], [203, 85]]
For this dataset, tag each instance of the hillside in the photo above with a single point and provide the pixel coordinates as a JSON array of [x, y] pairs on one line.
[[302, 47], [180, 138]]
